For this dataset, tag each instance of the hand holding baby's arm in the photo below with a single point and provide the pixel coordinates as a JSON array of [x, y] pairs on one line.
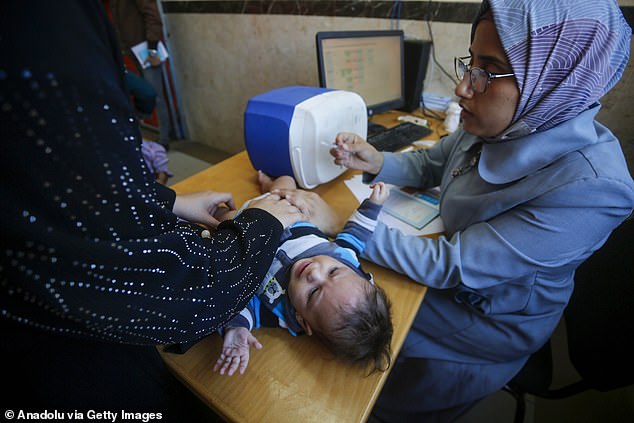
[[235, 351], [379, 194], [201, 207], [314, 209]]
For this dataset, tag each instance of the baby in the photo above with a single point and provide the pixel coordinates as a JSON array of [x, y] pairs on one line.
[[317, 286]]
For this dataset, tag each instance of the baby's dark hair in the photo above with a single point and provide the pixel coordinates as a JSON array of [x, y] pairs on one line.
[[364, 333]]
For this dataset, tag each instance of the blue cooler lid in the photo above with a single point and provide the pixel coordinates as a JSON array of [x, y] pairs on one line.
[[267, 119]]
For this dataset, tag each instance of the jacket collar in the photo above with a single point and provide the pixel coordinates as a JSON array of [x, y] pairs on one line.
[[509, 161]]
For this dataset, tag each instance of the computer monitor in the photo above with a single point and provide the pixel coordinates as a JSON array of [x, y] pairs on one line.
[[369, 63]]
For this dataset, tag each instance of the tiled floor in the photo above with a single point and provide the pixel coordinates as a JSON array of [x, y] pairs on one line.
[[183, 165], [187, 158], [199, 151]]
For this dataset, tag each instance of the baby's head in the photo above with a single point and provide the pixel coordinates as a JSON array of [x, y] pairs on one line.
[[349, 314]]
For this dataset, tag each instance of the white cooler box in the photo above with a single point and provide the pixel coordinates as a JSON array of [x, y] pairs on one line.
[[290, 130]]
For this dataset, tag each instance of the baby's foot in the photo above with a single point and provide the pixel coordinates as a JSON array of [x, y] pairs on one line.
[[265, 181]]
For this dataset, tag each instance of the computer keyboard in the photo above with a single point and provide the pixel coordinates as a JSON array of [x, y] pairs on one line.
[[375, 128], [397, 137]]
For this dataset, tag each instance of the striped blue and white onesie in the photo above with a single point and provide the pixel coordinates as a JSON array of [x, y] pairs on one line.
[[270, 306]]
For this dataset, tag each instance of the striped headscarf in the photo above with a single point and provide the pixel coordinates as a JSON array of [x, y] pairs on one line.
[[566, 54]]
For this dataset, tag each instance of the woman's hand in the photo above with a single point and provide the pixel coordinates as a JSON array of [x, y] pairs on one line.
[[280, 208], [314, 209], [354, 152], [201, 207]]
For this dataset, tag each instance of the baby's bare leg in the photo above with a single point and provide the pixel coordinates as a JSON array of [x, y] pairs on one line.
[[268, 184], [224, 213]]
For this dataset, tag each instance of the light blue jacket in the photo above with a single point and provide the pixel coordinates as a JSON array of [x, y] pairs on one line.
[[517, 226]]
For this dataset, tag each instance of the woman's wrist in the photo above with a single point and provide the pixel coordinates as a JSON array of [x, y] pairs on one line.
[[378, 164]]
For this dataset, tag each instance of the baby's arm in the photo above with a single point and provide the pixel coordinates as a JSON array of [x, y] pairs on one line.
[[237, 342], [235, 350], [361, 224]]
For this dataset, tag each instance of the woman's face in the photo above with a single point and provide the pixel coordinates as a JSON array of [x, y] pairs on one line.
[[489, 113]]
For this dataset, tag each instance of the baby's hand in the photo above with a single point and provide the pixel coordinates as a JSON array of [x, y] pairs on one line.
[[380, 192], [235, 351]]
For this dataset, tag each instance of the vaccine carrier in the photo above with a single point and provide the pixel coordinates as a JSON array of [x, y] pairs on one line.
[[290, 131]]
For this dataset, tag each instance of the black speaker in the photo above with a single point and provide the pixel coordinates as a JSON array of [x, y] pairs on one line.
[[416, 57]]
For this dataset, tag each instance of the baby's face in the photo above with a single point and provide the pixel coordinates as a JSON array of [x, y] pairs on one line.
[[320, 286]]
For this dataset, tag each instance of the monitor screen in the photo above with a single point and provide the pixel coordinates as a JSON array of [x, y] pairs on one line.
[[369, 63]]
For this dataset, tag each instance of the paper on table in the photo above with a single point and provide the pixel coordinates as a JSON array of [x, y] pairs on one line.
[[141, 52], [410, 208], [362, 191]]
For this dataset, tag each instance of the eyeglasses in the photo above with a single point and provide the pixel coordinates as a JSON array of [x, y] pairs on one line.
[[479, 78]]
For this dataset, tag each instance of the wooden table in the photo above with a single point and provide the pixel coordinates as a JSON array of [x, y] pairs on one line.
[[292, 379]]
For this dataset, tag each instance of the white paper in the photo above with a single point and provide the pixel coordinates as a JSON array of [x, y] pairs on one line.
[[141, 52], [362, 191]]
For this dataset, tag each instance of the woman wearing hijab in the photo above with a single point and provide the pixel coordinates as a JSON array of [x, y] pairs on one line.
[[96, 269], [531, 186]]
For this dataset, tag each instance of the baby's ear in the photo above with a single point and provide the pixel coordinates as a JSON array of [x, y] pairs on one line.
[[304, 324]]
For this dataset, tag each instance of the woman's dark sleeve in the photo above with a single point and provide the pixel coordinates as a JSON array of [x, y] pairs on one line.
[[90, 246], [165, 196]]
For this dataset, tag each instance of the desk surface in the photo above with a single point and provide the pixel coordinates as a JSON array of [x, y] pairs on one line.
[[292, 379]]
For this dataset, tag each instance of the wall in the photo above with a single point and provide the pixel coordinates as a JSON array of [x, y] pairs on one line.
[[225, 52]]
